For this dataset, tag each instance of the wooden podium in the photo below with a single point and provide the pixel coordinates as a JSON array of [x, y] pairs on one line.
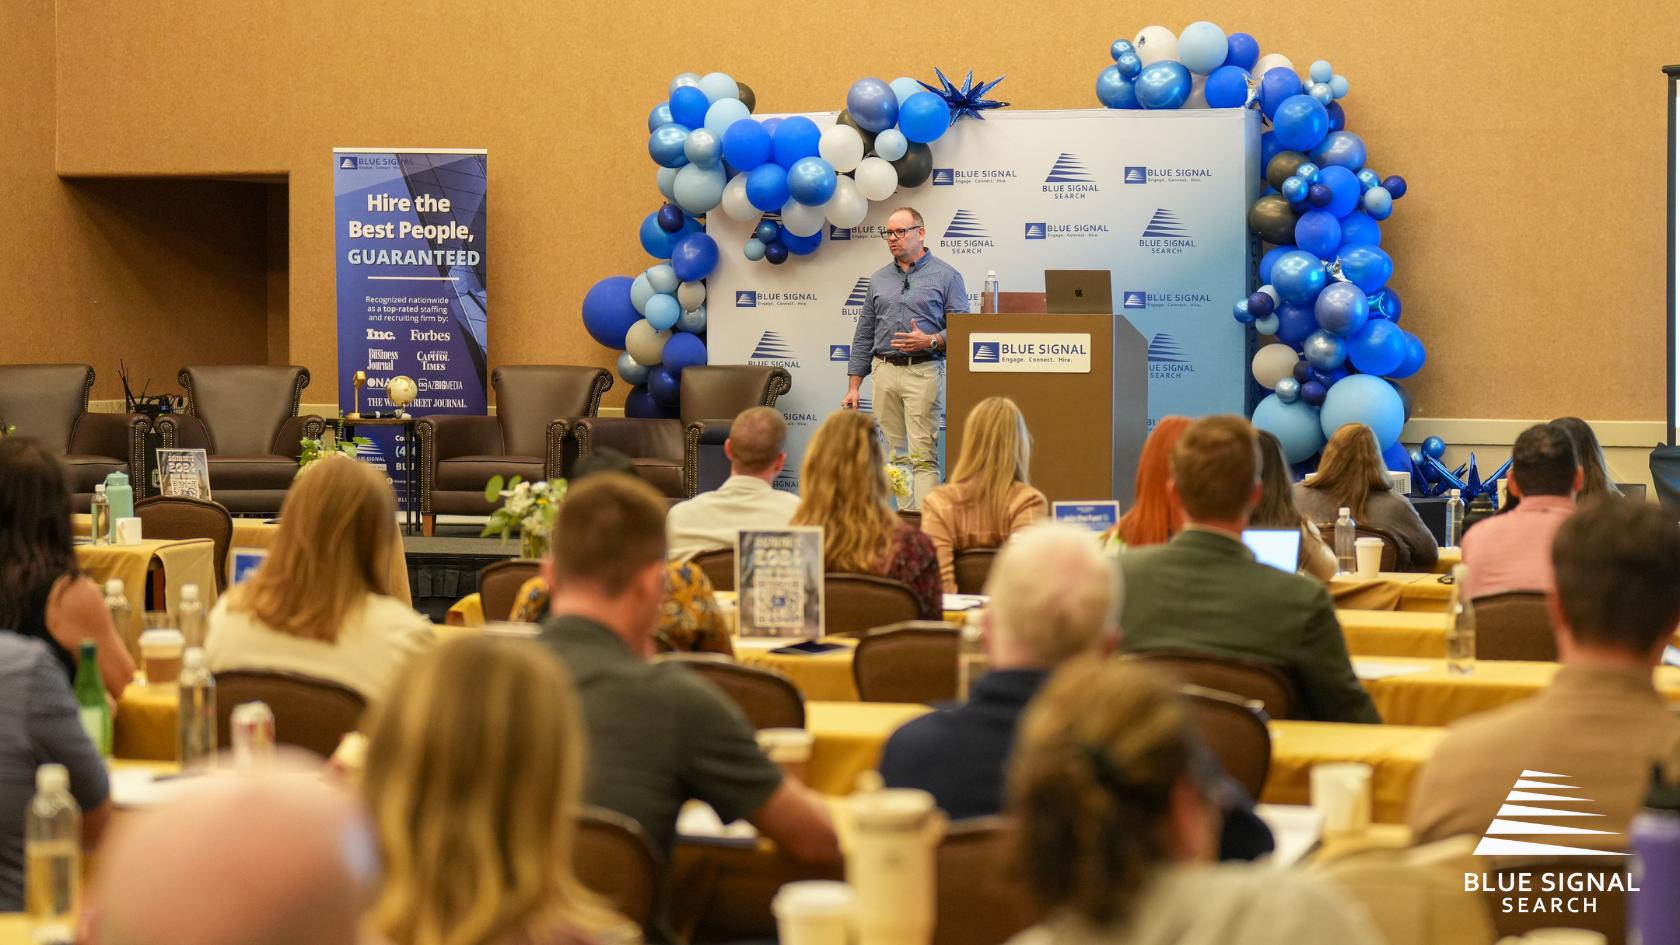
[[1087, 427]]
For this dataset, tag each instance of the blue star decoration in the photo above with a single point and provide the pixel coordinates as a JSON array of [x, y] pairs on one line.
[[968, 101]]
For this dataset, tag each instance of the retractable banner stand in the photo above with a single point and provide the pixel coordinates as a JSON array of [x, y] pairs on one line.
[[1159, 199], [410, 240]]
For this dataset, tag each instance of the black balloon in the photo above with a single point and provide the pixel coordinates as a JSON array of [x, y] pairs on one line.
[[916, 166], [1282, 167], [746, 95], [1272, 219]]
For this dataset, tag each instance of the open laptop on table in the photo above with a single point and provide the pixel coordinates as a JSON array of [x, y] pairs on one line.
[[1078, 292]]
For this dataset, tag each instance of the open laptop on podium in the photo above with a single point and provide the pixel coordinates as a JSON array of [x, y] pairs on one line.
[[1078, 292]]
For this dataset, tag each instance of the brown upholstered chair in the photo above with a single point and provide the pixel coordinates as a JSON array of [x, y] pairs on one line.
[[499, 584], [536, 405], [1247, 679], [683, 457], [855, 604], [177, 519], [977, 899], [312, 714], [1514, 626], [49, 402], [912, 517], [613, 857], [1395, 557], [718, 566], [767, 698], [245, 416], [973, 566], [1234, 729], [907, 665]]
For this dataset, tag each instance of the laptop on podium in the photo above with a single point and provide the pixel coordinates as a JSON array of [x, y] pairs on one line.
[[1078, 292]]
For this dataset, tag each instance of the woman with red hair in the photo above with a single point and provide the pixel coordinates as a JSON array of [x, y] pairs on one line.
[[1154, 517]]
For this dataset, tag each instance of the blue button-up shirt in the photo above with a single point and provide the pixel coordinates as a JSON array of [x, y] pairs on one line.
[[934, 289]]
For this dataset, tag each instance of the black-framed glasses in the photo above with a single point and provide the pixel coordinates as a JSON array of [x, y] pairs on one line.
[[897, 234]]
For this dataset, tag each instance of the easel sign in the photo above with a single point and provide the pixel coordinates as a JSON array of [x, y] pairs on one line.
[[779, 577], [1096, 516]]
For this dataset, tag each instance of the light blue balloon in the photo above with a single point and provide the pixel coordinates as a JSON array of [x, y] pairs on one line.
[[640, 291], [632, 373], [1341, 149], [723, 113], [699, 189], [719, 86], [667, 181], [1321, 93], [904, 87], [1339, 86], [1288, 390], [890, 145], [1368, 179], [1267, 325], [693, 322], [661, 115], [1324, 351], [682, 79], [1294, 424], [665, 145], [754, 249], [811, 181], [702, 148], [663, 311], [1202, 47], [1379, 203], [662, 279], [1320, 71], [1364, 398]]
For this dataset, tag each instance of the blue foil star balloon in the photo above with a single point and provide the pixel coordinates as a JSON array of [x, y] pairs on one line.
[[968, 101]]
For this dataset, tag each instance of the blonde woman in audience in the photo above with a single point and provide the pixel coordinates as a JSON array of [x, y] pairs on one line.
[[474, 770], [990, 496], [843, 490], [320, 606], [1153, 518], [1116, 831], [1277, 510], [1351, 474]]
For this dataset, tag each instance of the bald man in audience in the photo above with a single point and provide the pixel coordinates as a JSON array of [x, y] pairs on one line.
[[1601, 724], [278, 859], [747, 499]]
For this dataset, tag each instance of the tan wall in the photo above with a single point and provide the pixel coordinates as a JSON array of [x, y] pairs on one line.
[[1530, 251]]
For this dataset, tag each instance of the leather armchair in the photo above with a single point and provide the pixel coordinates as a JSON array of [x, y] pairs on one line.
[[49, 403], [683, 457], [245, 417], [536, 406]]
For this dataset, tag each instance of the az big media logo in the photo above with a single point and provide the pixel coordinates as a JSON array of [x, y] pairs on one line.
[[1068, 179]]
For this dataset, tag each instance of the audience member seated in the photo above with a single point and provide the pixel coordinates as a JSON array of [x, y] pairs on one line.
[[39, 724], [658, 734], [689, 618], [1513, 552], [43, 593], [280, 859], [474, 769], [1153, 519], [1116, 829], [1204, 591], [757, 451], [320, 606], [1277, 510], [844, 491], [1601, 723], [989, 496], [1596, 480], [1351, 474]]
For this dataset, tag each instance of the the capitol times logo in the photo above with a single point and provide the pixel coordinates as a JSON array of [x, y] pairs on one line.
[[1068, 179], [965, 235], [1165, 235], [1167, 359], [773, 351]]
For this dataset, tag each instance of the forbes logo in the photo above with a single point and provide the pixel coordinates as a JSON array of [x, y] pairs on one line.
[[773, 351], [746, 298], [1068, 179], [1165, 235], [944, 176], [983, 352], [839, 352], [1035, 231], [1130, 299]]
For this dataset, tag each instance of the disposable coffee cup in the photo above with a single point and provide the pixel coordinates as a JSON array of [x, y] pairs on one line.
[[890, 863], [816, 912], [160, 655], [788, 748], [1367, 554], [128, 531], [1341, 793]]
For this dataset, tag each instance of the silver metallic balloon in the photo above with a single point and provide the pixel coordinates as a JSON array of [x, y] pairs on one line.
[[1288, 390], [1324, 351]]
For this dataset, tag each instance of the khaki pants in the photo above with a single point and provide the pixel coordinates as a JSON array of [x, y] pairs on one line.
[[907, 403]]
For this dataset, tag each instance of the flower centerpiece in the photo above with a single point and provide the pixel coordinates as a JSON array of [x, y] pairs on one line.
[[315, 449], [526, 506], [898, 482]]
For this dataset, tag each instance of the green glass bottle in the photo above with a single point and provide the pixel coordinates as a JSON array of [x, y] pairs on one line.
[[90, 699]]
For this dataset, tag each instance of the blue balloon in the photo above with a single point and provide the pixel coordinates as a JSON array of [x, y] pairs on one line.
[[1378, 348], [1266, 325], [1433, 447], [1288, 390], [811, 181], [1396, 458], [1115, 90], [693, 258], [688, 107], [1341, 309], [1242, 51], [1417, 460], [1358, 227], [1300, 122], [1319, 233], [684, 351], [1129, 65], [1378, 203], [630, 371], [1338, 116], [872, 104], [795, 138], [776, 254], [661, 115], [639, 403], [1261, 304], [1243, 313], [1324, 351], [1340, 149], [607, 311], [665, 145], [664, 387], [1298, 276], [1312, 392], [1295, 189], [746, 144], [1119, 48], [692, 322], [657, 242], [1294, 424], [1385, 303], [1303, 372], [770, 124], [670, 218], [1227, 87], [924, 117], [1295, 323], [803, 245], [1202, 47], [767, 188], [1368, 400], [1368, 179], [663, 311], [1269, 148], [768, 232], [1318, 195], [1344, 189], [1414, 359], [754, 249], [1268, 261], [1366, 266], [1163, 84], [1395, 185], [1275, 86], [1307, 171]]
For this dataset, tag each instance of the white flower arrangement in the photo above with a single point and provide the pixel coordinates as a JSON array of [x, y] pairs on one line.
[[898, 482], [527, 507]]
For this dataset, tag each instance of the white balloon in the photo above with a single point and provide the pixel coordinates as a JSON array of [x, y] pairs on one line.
[[692, 295], [876, 179], [1271, 364], [842, 147], [1198, 93], [1271, 61], [646, 344], [848, 206], [736, 206], [662, 278], [801, 220], [1155, 43], [718, 85]]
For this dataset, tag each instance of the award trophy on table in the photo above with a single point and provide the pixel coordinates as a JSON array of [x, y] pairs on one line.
[[401, 391], [357, 380]]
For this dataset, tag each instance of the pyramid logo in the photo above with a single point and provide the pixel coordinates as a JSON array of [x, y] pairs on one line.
[[838, 233], [984, 352], [1136, 174], [1164, 349], [966, 226], [860, 293], [839, 352], [1068, 169], [866, 405], [1035, 231], [1131, 298], [944, 177], [746, 298], [347, 163], [773, 347], [1536, 799], [1165, 225]]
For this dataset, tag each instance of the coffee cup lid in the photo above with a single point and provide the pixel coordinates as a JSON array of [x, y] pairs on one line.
[[893, 807], [163, 636], [1367, 541], [814, 898]]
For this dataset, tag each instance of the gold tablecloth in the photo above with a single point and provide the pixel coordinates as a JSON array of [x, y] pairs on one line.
[[14, 929], [1394, 633], [1394, 752], [826, 677], [1437, 697], [847, 738], [1446, 558], [1392, 590], [468, 612], [183, 562]]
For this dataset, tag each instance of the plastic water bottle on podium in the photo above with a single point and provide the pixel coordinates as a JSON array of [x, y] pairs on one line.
[[53, 858], [1461, 636], [989, 293], [196, 723], [101, 526], [1654, 917], [1455, 518], [1346, 561]]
